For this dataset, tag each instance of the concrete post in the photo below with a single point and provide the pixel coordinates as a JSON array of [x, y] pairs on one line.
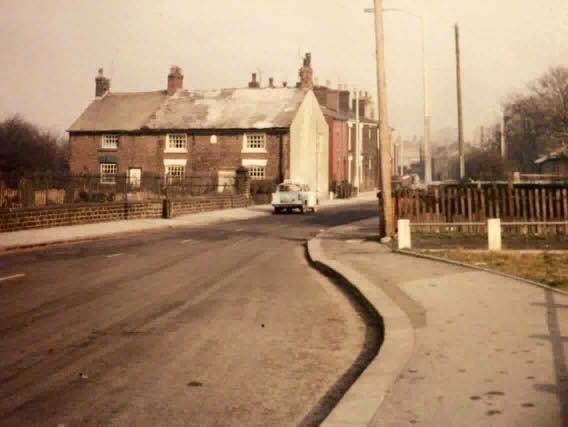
[[404, 239], [494, 234]]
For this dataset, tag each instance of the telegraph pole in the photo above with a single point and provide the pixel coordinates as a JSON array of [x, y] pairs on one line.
[[357, 152], [386, 214], [460, 112], [503, 142]]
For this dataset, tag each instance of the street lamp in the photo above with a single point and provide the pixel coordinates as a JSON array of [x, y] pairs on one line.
[[426, 138]]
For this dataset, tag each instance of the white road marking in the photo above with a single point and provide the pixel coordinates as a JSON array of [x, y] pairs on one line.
[[13, 276], [187, 241], [239, 229], [115, 255]]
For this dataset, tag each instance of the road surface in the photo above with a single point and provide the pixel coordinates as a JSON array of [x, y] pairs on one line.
[[219, 325]]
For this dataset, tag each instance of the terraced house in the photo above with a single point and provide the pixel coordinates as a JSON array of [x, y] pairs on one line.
[[275, 132]]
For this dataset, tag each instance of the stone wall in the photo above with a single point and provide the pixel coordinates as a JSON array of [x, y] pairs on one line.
[[53, 216]]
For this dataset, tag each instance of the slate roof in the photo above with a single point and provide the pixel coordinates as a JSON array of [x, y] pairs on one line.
[[201, 109], [119, 111], [345, 116], [559, 153]]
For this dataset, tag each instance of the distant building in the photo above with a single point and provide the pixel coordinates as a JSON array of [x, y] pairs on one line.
[[276, 132], [339, 109], [554, 163]]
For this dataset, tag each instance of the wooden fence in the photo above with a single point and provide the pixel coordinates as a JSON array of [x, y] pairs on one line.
[[545, 206]]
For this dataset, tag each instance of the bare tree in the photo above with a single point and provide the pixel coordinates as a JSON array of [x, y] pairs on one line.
[[25, 148], [537, 121]]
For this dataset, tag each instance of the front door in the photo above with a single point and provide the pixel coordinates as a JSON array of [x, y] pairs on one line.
[[134, 177]]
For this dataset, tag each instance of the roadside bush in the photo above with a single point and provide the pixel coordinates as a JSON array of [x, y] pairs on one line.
[[342, 189], [261, 190], [262, 186], [96, 197]]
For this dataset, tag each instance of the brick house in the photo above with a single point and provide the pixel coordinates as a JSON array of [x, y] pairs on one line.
[[340, 115], [276, 132]]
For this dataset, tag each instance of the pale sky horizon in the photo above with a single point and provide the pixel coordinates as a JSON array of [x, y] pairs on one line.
[[52, 49]]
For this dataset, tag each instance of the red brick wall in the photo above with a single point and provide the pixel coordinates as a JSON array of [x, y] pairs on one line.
[[337, 149], [147, 152]]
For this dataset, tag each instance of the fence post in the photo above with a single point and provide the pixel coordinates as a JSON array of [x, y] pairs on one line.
[[494, 234], [404, 238]]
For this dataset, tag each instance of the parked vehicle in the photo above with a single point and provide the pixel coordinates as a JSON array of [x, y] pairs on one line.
[[294, 194]]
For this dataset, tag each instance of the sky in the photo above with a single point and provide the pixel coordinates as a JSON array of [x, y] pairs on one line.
[[52, 49]]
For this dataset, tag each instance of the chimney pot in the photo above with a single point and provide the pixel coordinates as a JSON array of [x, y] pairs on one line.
[[306, 73], [271, 82], [102, 84], [284, 84], [175, 80], [253, 83]]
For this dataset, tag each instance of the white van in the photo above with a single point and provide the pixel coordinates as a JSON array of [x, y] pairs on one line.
[[294, 194]]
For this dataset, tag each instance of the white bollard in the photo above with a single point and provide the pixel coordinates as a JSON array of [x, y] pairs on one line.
[[404, 240], [494, 234]]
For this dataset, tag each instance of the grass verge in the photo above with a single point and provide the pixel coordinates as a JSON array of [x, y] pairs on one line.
[[547, 268]]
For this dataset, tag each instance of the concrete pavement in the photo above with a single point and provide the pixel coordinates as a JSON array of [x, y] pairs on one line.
[[53, 235], [470, 349]]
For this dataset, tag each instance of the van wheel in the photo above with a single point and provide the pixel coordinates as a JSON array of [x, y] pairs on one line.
[[277, 211]]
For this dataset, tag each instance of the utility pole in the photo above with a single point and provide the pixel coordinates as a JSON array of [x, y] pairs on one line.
[[357, 153], [427, 153], [386, 215], [400, 144], [503, 142], [460, 112]]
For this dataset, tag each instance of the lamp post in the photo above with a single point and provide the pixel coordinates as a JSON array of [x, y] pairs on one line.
[[426, 136]]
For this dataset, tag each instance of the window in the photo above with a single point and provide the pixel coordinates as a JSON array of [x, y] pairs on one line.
[[176, 142], [255, 142], [109, 142], [256, 172], [108, 173], [175, 173]]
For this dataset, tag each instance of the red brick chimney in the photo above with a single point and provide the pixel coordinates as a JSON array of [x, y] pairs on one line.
[[254, 84], [102, 84], [271, 82], [306, 73], [175, 80]]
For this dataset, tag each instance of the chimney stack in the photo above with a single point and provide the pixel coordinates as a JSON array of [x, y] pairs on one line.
[[175, 80], [102, 84], [271, 82], [254, 84], [284, 84], [306, 73]]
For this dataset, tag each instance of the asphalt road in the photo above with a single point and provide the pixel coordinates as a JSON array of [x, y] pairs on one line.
[[222, 325]]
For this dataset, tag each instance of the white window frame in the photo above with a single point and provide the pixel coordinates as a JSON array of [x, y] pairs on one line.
[[248, 149], [255, 166], [109, 142], [175, 170], [174, 163], [176, 139], [257, 172], [108, 172]]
